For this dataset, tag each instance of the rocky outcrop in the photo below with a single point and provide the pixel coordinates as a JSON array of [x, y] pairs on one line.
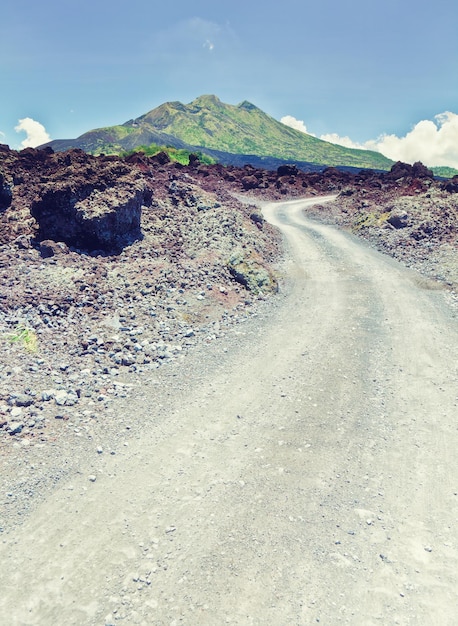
[[452, 185], [249, 182], [91, 219], [5, 194], [403, 170], [287, 170], [85, 202], [5, 187]]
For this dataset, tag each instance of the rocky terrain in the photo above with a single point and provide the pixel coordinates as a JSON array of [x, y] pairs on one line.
[[112, 267], [405, 213], [75, 322]]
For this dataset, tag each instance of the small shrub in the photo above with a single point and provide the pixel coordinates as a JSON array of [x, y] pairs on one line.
[[27, 337]]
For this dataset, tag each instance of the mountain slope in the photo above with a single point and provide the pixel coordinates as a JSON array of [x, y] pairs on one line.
[[115, 139], [245, 129], [238, 129]]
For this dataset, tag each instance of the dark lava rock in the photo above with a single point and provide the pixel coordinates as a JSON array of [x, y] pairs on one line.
[[452, 185], [89, 218], [421, 171], [49, 248], [398, 221], [194, 160], [404, 170], [287, 170], [5, 193], [72, 197], [250, 182], [162, 158]]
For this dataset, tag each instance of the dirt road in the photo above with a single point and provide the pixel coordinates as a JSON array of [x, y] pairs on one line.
[[305, 472]]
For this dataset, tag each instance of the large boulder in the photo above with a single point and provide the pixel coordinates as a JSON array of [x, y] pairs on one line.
[[404, 170], [5, 193], [421, 171], [452, 185], [250, 182], [90, 218], [90, 203], [287, 170], [251, 273]]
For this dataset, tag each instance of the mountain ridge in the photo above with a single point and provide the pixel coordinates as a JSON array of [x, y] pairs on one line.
[[206, 123]]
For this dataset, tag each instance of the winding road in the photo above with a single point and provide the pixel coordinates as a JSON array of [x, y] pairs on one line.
[[306, 472]]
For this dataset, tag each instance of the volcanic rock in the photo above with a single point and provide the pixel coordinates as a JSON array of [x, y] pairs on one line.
[[84, 201], [88, 218], [249, 182], [452, 185], [403, 170], [5, 193], [49, 248], [287, 170]]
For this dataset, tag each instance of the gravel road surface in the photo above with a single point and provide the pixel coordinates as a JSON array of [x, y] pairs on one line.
[[302, 471]]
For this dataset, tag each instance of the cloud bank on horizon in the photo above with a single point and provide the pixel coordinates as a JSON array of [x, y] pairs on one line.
[[434, 143]]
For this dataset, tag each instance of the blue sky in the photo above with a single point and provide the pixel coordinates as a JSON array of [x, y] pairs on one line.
[[348, 70]]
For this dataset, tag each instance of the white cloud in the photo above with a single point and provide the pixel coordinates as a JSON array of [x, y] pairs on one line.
[[36, 132], [292, 122], [431, 142], [209, 45], [342, 141]]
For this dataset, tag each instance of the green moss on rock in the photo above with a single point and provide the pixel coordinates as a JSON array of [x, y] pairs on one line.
[[250, 273]]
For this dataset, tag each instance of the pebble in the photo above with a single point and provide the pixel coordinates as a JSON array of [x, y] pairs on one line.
[[15, 428], [23, 400]]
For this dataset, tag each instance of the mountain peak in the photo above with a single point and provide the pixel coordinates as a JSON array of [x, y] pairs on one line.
[[248, 106], [206, 100]]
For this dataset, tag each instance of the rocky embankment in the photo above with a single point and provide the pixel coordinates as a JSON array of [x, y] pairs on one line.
[[110, 268], [405, 213]]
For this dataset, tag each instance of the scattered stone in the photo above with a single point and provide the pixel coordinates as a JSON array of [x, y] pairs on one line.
[[23, 400], [49, 248], [65, 398], [15, 428], [48, 394]]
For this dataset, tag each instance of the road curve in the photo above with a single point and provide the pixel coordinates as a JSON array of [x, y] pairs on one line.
[[305, 474]]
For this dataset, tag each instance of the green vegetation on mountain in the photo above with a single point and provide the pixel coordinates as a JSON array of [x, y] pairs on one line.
[[208, 123], [245, 129], [445, 172], [175, 154]]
